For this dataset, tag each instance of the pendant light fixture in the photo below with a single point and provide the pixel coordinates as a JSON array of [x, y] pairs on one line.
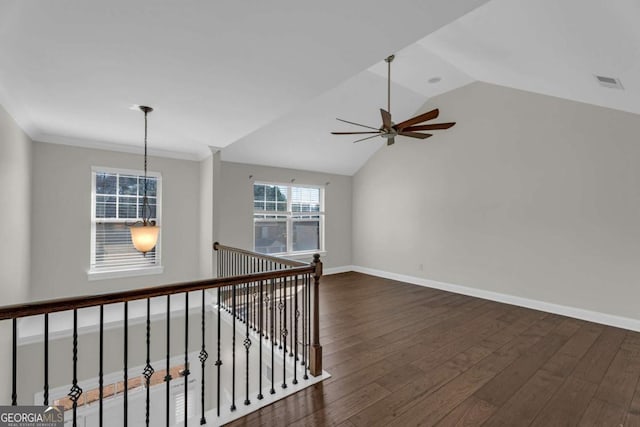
[[144, 234]]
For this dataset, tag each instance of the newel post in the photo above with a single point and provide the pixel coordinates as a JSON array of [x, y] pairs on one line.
[[315, 362]]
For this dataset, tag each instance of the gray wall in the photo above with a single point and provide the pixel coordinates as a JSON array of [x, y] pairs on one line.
[[15, 213], [236, 207], [61, 220], [527, 195]]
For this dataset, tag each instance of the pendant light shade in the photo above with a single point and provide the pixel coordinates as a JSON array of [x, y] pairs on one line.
[[144, 234]]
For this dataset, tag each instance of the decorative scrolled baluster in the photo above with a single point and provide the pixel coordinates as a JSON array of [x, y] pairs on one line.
[[168, 378], [273, 336], [148, 369], [218, 360], [186, 357], [76, 391], [260, 326], [247, 345], [284, 332], [203, 356]]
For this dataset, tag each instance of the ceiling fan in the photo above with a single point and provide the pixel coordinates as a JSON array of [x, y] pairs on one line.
[[390, 130]]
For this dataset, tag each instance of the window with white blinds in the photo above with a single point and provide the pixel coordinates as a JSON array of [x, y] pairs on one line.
[[116, 203], [180, 407], [288, 219]]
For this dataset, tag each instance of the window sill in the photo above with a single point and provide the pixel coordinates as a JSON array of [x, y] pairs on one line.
[[116, 274]]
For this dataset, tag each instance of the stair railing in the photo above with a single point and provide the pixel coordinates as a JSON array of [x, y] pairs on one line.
[[268, 300]]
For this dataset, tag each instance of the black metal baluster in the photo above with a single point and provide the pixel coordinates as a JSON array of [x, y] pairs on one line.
[[244, 300], [225, 289], [291, 314], [308, 327], [167, 377], [284, 335], [304, 320], [46, 360], [247, 345], [280, 305], [203, 358], [273, 337], [260, 321], [254, 301], [126, 369], [233, 350], [76, 391], [256, 263], [218, 361], [101, 368], [295, 331], [14, 368], [148, 369], [186, 357], [267, 313]]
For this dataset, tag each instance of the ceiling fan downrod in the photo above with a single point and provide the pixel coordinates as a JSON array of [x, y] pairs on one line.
[[389, 59]]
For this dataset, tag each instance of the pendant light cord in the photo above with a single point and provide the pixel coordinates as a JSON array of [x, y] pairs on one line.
[[145, 202]]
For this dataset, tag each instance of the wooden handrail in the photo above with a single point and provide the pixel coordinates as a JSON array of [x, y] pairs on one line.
[[286, 286], [63, 304], [284, 261]]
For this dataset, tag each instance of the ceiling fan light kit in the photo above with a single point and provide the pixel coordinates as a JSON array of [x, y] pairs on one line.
[[389, 130]]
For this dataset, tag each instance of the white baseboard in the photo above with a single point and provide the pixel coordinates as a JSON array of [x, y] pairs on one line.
[[337, 270], [578, 313]]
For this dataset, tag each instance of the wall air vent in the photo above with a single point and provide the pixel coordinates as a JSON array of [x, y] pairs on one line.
[[610, 82]]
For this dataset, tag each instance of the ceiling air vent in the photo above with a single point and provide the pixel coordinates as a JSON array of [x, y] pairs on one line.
[[610, 82]]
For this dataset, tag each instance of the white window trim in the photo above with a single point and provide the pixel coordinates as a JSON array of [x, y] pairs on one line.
[[113, 273], [288, 214]]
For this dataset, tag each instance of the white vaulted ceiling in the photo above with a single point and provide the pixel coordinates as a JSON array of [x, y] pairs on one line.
[[265, 81], [215, 71]]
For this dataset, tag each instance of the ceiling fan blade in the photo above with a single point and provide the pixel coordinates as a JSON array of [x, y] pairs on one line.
[[391, 141], [357, 124], [353, 133], [415, 135], [386, 119], [429, 115], [434, 126], [364, 139]]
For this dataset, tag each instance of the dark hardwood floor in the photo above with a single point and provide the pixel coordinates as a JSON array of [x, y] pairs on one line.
[[403, 355]]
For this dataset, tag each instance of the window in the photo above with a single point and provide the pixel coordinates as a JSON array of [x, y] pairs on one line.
[[116, 202], [288, 219]]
